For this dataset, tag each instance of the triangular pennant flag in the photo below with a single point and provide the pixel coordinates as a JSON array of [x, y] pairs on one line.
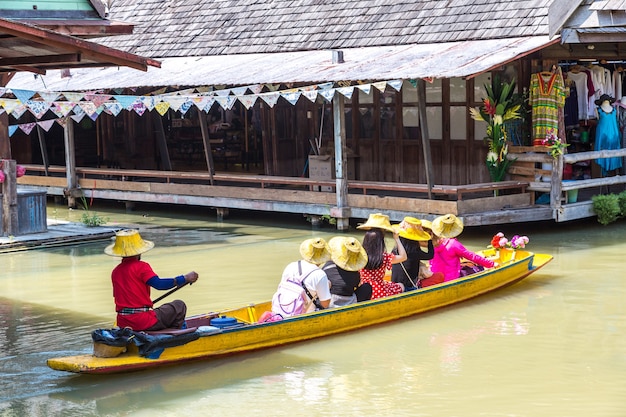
[[380, 86], [270, 98], [98, 99], [94, 116], [366, 88], [88, 107], [201, 101], [185, 107], [19, 111], [311, 95], [62, 121], [395, 84], [291, 97], [162, 107], [23, 95], [126, 101], [256, 89], [239, 91], [62, 108], [327, 94], [226, 102], [27, 127], [176, 101], [48, 96], [113, 108], [222, 93], [9, 104], [12, 130], [149, 102], [78, 117], [75, 97], [208, 105], [346, 92], [2, 91], [325, 86], [307, 88], [272, 87], [38, 108], [78, 110], [46, 124], [413, 82], [247, 101]]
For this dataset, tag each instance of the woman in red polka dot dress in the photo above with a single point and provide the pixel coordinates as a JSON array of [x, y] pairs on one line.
[[379, 260]]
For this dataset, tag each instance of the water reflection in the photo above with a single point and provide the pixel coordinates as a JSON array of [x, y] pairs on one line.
[[528, 350]]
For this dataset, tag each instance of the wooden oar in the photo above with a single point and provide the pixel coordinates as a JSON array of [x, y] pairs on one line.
[[170, 292]]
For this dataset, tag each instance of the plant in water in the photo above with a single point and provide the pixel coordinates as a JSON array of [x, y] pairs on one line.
[[88, 218], [606, 207], [317, 220]]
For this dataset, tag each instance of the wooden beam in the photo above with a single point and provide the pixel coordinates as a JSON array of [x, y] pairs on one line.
[[208, 153], [428, 161], [39, 59]]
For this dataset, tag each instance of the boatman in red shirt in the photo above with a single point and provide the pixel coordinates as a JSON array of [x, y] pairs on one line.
[[132, 280]]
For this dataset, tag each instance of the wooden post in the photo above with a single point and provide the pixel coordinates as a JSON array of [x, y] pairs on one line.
[[157, 123], [421, 103], [43, 149], [342, 211], [70, 162], [9, 199], [208, 153], [555, 184]]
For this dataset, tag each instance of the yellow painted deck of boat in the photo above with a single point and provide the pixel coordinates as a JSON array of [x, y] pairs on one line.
[[252, 335]]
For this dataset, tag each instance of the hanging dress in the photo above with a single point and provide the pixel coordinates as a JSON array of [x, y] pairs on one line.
[[547, 97], [607, 138]]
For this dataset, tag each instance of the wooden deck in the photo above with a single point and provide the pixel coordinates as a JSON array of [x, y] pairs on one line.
[[477, 204]]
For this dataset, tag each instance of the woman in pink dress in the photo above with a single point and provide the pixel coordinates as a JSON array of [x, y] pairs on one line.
[[379, 260], [449, 251]]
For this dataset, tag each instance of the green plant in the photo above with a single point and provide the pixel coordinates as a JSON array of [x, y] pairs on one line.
[[88, 218], [606, 208], [501, 105], [621, 199], [320, 220]]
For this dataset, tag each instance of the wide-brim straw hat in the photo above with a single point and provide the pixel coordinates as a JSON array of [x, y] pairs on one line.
[[128, 243], [411, 228], [377, 221], [447, 226], [315, 250], [426, 224], [347, 253]]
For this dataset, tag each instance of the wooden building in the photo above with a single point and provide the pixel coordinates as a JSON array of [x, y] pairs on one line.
[[393, 84]]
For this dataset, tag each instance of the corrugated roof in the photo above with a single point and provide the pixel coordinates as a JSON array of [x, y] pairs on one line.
[[441, 60]]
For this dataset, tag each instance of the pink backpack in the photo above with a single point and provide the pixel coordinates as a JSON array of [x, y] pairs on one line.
[[290, 298]]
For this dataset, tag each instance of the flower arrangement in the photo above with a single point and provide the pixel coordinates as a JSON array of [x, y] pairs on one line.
[[499, 241], [500, 106], [552, 141]]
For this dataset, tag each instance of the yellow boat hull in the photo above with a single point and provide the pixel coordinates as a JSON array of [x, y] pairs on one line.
[[253, 336]]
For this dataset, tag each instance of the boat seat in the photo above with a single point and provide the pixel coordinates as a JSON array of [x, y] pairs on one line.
[[171, 332]]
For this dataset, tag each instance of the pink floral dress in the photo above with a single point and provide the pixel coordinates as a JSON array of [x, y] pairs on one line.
[[376, 278]]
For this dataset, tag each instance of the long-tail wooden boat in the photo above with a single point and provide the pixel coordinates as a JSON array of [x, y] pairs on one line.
[[248, 334]]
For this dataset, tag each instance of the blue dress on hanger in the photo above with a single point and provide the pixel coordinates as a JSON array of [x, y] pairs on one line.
[[607, 138]]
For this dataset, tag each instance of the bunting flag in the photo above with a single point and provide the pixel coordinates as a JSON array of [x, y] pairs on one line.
[[311, 95], [162, 107], [62, 108], [227, 102], [19, 110], [46, 124], [75, 97], [239, 91], [139, 107], [48, 96], [177, 101], [328, 94], [62, 121], [9, 104], [291, 97], [149, 102], [366, 88], [38, 108], [270, 98], [78, 117], [23, 95], [380, 86], [98, 99], [201, 101], [12, 130], [88, 107], [346, 92], [395, 84], [247, 101], [27, 127], [126, 101], [113, 108]]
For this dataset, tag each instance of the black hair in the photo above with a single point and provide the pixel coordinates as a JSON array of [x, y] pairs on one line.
[[374, 245]]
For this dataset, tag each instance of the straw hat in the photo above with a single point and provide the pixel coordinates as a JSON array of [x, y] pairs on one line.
[[315, 250], [128, 243], [447, 226], [347, 253], [426, 224], [411, 228], [377, 221]]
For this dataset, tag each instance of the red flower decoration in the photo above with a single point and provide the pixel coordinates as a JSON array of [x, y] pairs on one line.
[[490, 109]]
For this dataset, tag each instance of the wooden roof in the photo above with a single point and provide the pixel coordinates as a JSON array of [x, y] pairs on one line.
[[202, 28]]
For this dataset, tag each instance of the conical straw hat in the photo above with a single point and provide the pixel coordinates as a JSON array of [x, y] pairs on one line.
[[377, 221], [447, 226], [128, 243], [347, 253], [315, 250], [411, 228]]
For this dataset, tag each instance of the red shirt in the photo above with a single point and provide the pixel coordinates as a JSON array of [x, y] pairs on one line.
[[131, 291], [376, 278]]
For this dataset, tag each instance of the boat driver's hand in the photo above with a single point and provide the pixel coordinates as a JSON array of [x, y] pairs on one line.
[[191, 277]]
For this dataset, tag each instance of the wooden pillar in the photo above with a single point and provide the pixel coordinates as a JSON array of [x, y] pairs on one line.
[[43, 149], [70, 162], [208, 153], [421, 103], [9, 198], [555, 184], [342, 211], [159, 132]]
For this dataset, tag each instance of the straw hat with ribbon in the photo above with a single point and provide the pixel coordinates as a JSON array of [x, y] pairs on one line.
[[447, 226], [377, 221], [426, 224], [315, 250], [128, 243], [411, 228], [347, 253]]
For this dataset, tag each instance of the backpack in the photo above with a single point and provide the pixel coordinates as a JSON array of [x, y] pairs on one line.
[[290, 298]]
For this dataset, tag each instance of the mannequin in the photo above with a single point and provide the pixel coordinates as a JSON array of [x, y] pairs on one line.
[[607, 134]]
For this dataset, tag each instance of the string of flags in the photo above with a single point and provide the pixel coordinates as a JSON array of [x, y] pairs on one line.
[[78, 105]]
